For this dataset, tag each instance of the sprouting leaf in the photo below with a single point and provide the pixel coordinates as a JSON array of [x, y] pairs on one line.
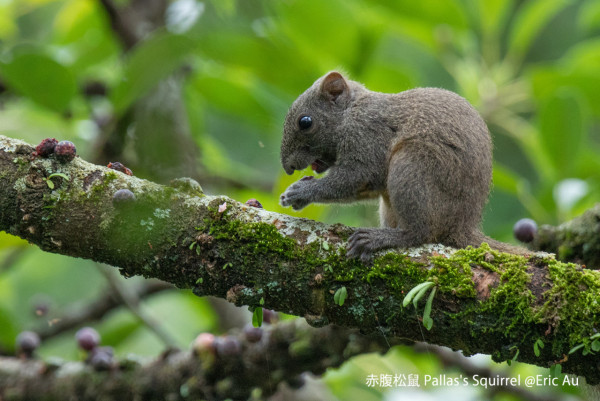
[[66, 177], [200, 280], [556, 370], [50, 184], [427, 320], [257, 317], [340, 296], [514, 359], [420, 295], [262, 301], [192, 245], [537, 345], [596, 345], [575, 348], [325, 245], [414, 292]]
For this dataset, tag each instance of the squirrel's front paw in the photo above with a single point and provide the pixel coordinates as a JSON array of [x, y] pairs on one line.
[[296, 196], [362, 243]]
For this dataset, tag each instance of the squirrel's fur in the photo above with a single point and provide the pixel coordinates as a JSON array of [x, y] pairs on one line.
[[426, 153]]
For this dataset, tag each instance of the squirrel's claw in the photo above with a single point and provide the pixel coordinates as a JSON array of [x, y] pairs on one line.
[[361, 244]]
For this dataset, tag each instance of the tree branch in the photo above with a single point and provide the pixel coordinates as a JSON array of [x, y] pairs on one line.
[[486, 302], [223, 367], [577, 240]]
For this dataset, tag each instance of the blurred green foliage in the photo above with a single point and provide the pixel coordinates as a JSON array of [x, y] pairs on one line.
[[530, 67]]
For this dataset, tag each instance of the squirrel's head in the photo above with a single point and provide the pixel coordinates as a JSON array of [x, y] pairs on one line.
[[310, 131]]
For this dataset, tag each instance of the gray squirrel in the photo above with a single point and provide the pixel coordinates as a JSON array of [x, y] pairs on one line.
[[426, 153]]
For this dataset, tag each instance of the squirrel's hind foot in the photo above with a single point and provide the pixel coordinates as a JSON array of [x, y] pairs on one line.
[[365, 241]]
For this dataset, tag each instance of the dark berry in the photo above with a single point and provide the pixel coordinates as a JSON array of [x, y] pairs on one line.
[[46, 147], [270, 316], [123, 196], [203, 343], [65, 151], [27, 342], [101, 358], [253, 334], [525, 230], [228, 346], [87, 338], [254, 203], [119, 167], [306, 178]]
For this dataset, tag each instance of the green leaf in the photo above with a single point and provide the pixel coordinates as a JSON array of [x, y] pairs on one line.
[[414, 291], [150, 62], [257, 317], [596, 345], [575, 348], [556, 370], [50, 184], [9, 329], [325, 245], [530, 19], [514, 359], [41, 79], [262, 301], [563, 130], [192, 245], [427, 320], [200, 280], [420, 295], [537, 345], [66, 177], [340, 296], [505, 179]]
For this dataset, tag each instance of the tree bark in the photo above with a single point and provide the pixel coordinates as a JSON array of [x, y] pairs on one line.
[[485, 302]]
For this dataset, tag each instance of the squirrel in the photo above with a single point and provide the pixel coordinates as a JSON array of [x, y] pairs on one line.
[[426, 153]]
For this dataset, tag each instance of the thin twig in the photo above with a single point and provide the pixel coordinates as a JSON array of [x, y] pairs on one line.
[[132, 302], [96, 309]]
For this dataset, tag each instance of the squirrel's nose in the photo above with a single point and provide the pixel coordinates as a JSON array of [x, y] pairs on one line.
[[289, 169]]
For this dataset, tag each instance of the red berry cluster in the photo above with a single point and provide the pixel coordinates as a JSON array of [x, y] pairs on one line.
[[64, 151]]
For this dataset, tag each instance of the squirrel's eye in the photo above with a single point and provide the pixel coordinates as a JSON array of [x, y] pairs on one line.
[[305, 122]]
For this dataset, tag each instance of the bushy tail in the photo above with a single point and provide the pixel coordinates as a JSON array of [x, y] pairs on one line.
[[478, 237]]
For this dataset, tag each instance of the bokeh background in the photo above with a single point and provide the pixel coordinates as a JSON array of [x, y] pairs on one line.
[[200, 88]]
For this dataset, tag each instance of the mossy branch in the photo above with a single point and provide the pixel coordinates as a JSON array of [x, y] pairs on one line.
[[577, 240], [486, 302]]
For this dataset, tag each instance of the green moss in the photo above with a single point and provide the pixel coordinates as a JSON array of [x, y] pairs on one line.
[[258, 238], [572, 304], [511, 302], [99, 187]]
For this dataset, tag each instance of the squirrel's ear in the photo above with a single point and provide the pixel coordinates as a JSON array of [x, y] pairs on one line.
[[333, 86]]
